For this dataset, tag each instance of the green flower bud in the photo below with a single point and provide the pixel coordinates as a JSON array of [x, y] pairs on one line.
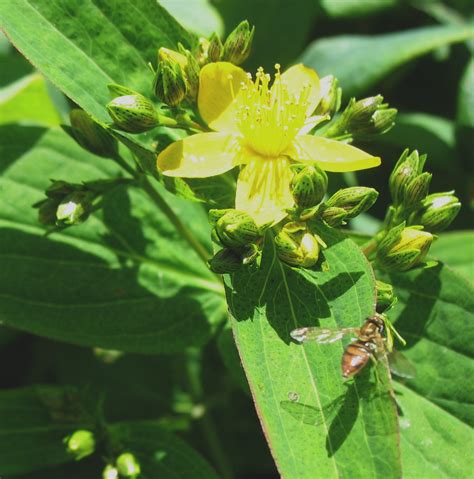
[[133, 113], [92, 136], [170, 83], [403, 248], [116, 90], [238, 44], [215, 48], [110, 472], [75, 208], [226, 261], [297, 246], [333, 216], [127, 465], [437, 211], [191, 72], [308, 185], [47, 211], [237, 228], [408, 167], [354, 200], [330, 96], [80, 444], [214, 215], [369, 117], [385, 296], [416, 190]]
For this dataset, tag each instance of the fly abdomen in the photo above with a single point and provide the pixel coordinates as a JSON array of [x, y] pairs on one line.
[[355, 357]]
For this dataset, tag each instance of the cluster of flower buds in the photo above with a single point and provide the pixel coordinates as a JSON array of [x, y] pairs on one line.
[[176, 76], [80, 444], [240, 237], [68, 204], [296, 245], [403, 248], [364, 119], [235, 49], [408, 184], [347, 203], [91, 135], [126, 465]]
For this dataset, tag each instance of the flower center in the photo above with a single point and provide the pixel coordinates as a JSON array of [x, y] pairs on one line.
[[270, 118]]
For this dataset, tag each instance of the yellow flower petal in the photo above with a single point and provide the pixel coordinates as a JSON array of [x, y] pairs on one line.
[[199, 156], [332, 155], [219, 83], [263, 189], [297, 77]]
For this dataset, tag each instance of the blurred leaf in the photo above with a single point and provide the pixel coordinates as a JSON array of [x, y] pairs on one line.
[[281, 28], [465, 116], [34, 421], [313, 421], [27, 101], [435, 313], [428, 134], [456, 249], [362, 61], [160, 453], [356, 8], [197, 16], [125, 279]]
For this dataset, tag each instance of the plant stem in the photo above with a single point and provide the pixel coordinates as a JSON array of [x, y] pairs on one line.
[[208, 428], [165, 208]]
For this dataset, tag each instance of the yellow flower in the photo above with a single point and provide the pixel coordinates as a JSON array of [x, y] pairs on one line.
[[264, 129]]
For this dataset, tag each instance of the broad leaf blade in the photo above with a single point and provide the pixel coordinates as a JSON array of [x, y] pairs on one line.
[[83, 45], [360, 62], [314, 423], [435, 314], [456, 249], [125, 279]]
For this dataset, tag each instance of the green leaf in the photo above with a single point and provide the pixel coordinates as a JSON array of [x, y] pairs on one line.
[[125, 279], [360, 62], [34, 422], [313, 421], [434, 314], [455, 249], [431, 440], [359, 8], [465, 115], [198, 16], [83, 45], [27, 101], [160, 453]]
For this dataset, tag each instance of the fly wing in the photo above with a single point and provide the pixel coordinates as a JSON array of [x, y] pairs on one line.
[[321, 335], [400, 365]]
